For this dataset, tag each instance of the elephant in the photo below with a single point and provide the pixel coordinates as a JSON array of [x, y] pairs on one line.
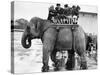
[[54, 39]]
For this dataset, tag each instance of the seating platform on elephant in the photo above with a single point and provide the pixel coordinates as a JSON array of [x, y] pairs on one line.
[[60, 26], [66, 20], [66, 15]]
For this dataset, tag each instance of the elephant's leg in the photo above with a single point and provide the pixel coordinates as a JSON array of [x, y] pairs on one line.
[[80, 47], [80, 50], [82, 54], [53, 55], [45, 59], [71, 60], [48, 45], [47, 49], [55, 60], [83, 64]]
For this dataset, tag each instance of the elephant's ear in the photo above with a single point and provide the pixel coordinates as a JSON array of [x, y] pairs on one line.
[[28, 28], [38, 26]]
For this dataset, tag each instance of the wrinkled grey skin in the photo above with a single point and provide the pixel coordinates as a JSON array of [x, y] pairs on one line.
[[53, 40]]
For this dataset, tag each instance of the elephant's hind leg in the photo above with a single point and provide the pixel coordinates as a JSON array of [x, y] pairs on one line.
[[53, 56], [55, 60], [83, 62], [71, 60]]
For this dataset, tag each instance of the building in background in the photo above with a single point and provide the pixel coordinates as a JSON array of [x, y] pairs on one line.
[[89, 21]]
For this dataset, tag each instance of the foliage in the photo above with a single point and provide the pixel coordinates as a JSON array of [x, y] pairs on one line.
[[19, 24]]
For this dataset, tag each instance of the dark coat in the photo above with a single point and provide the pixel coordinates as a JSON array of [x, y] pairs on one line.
[[52, 13], [75, 12], [59, 11], [67, 11]]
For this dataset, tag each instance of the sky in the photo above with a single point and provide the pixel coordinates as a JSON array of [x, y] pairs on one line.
[[30, 9], [27, 10]]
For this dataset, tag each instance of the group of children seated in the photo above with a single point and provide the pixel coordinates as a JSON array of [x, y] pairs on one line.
[[63, 15]]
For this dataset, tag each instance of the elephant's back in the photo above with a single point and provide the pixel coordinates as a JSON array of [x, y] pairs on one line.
[[65, 38]]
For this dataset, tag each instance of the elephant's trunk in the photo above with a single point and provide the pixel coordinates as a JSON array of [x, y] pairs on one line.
[[26, 41]]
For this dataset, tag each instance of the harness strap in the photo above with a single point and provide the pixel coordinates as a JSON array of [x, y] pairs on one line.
[[73, 39]]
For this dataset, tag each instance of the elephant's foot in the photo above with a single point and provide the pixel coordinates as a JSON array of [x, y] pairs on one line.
[[53, 65], [69, 65], [45, 68], [56, 69], [83, 66], [56, 66]]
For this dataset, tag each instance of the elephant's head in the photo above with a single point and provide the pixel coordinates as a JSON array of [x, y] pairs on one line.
[[33, 30]]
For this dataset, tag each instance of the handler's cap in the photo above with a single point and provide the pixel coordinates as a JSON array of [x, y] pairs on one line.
[[78, 7], [66, 5], [58, 4], [73, 6]]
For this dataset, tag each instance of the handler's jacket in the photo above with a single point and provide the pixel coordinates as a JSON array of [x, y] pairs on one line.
[[52, 13], [67, 11], [59, 11], [75, 12], [89, 40]]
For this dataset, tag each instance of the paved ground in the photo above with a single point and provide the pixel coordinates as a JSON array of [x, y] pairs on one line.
[[30, 60]]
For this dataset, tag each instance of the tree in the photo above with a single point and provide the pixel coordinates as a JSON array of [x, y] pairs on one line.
[[22, 23]]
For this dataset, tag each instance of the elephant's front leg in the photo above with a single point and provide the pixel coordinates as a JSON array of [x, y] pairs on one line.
[[45, 59], [48, 46], [47, 49], [53, 56]]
